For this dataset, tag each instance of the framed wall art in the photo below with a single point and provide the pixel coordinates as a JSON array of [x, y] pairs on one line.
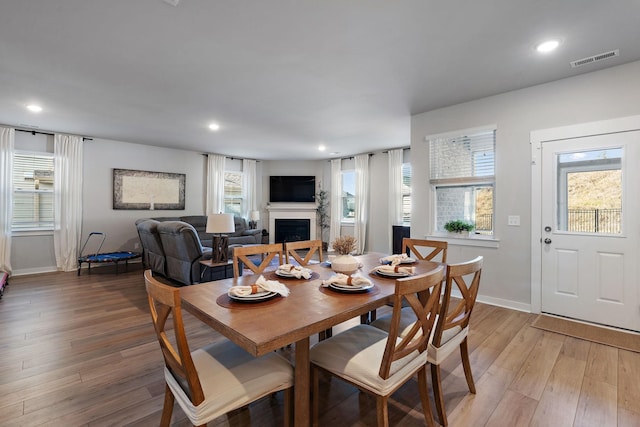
[[145, 190]]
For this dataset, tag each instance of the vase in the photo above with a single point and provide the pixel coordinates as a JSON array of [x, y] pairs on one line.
[[345, 264]]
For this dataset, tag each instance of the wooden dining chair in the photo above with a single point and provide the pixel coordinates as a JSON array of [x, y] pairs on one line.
[[452, 326], [312, 246], [213, 380], [425, 249], [267, 253], [377, 362]]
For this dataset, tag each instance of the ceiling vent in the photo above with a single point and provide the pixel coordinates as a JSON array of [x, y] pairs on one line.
[[595, 58]]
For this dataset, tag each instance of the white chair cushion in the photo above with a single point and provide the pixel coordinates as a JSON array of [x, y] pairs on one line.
[[230, 378], [356, 354]]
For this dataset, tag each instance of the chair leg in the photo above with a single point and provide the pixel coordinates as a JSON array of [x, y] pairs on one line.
[[288, 407], [424, 396], [167, 409], [437, 394], [464, 355], [315, 395], [382, 411]]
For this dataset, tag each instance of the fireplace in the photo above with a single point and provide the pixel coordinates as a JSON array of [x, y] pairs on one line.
[[292, 230]]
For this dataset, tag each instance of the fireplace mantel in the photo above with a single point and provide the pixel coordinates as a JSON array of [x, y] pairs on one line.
[[292, 211]]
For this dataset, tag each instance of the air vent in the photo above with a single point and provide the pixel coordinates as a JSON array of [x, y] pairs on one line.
[[595, 58]]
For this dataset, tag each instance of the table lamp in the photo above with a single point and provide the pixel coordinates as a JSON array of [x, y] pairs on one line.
[[254, 216], [216, 225]]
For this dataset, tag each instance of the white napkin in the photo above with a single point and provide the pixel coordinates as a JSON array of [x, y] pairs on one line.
[[390, 269], [394, 259], [344, 280], [297, 271], [261, 285]]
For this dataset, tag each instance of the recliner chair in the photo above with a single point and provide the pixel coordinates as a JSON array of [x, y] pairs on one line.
[[183, 251], [153, 256]]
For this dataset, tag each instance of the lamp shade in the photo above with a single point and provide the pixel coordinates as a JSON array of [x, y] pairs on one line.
[[220, 223], [254, 215]]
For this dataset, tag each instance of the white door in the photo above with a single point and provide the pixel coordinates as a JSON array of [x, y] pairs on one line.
[[590, 220]]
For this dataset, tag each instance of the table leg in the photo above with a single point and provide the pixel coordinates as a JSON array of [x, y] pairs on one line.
[[302, 385]]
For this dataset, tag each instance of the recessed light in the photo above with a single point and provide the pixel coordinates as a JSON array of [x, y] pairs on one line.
[[333, 153], [214, 126], [34, 108], [321, 147], [547, 46]]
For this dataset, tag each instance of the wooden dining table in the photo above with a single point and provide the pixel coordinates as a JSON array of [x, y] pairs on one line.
[[264, 326]]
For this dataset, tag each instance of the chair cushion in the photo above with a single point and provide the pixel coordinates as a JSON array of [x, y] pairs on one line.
[[230, 378], [356, 355]]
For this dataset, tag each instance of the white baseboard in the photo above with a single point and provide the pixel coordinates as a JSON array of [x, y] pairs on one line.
[[499, 302], [38, 270]]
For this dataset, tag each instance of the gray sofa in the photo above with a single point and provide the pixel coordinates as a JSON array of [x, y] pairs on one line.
[[242, 236]]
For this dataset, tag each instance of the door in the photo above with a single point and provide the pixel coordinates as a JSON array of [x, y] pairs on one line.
[[590, 217]]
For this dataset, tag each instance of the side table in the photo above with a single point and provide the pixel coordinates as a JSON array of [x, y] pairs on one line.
[[210, 270]]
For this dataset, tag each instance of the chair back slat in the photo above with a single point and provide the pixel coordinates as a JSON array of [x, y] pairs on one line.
[[466, 277], [313, 246], [422, 294], [268, 253], [164, 302], [418, 246]]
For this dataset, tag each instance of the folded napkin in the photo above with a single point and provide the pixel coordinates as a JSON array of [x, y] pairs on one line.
[[344, 280], [295, 270], [394, 259], [394, 269], [261, 285]]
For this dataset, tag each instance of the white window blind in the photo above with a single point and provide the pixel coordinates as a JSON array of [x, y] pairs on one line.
[[32, 191], [233, 193], [406, 193], [462, 158]]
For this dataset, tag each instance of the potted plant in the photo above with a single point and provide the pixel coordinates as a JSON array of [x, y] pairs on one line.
[[459, 226], [345, 262], [322, 198]]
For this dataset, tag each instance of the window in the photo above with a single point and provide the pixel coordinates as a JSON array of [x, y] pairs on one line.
[[406, 193], [233, 193], [348, 196], [462, 176], [32, 191]]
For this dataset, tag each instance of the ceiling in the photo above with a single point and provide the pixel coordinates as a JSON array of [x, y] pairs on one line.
[[283, 76]]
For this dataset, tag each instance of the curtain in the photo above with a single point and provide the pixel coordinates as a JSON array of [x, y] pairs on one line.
[[67, 200], [335, 200], [215, 183], [362, 201], [7, 137], [395, 189], [249, 187]]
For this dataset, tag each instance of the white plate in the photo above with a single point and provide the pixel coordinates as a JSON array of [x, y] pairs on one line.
[[351, 288], [393, 274], [407, 261], [259, 296], [282, 273]]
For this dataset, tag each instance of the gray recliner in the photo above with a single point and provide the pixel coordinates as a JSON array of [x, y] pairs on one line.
[[183, 251], [153, 256]]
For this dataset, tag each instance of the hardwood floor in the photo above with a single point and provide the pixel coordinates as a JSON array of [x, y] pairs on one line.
[[81, 351]]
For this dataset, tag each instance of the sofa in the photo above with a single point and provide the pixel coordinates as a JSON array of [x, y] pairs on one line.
[[242, 236]]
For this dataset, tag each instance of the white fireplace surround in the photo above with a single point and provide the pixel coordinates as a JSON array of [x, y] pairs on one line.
[[292, 211]]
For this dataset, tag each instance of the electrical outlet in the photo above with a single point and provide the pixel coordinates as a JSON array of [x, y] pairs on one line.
[[514, 220]]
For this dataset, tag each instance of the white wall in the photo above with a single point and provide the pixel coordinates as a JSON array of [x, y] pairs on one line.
[[606, 94]]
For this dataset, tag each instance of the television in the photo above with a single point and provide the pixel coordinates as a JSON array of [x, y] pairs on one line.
[[296, 189]]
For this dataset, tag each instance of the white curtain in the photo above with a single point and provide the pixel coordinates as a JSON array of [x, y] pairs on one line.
[[67, 200], [395, 189], [215, 183], [335, 200], [249, 187], [362, 201], [7, 137]]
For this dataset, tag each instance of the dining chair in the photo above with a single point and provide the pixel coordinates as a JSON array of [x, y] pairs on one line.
[[452, 326], [377, 362], [267, 253], [417, 247], [291, 250], [213, 380]]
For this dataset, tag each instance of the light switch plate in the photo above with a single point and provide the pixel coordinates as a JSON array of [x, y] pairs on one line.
[[514, 220]]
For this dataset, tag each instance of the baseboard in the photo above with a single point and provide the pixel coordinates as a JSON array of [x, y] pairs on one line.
[[38, 270], [499, 302]]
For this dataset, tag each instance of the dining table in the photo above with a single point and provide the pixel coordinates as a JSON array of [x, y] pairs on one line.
[[264, 325]]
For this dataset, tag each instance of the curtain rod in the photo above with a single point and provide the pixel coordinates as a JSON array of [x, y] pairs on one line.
[[33, 132], [231, 158]]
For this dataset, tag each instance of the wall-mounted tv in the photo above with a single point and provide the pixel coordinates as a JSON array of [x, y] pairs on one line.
[[297, 189]]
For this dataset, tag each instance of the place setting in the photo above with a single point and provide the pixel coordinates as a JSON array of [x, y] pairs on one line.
[[395, 266], [261, 291], [291, 271], [344, 283]]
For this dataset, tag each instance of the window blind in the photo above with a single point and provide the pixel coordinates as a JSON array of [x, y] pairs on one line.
[[467, 158]]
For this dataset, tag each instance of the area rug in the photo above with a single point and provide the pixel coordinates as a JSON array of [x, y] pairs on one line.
[[602, 335]]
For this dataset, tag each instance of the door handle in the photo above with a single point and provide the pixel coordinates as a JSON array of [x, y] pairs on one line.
[[547, 240]]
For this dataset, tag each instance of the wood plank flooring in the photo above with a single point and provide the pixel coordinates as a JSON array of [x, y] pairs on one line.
[[81, 351]]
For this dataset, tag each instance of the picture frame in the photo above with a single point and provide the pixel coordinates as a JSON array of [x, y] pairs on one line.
[[148, 190]]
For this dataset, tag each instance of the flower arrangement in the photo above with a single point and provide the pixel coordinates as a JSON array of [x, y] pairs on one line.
[[458, 226], [344, 245]]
